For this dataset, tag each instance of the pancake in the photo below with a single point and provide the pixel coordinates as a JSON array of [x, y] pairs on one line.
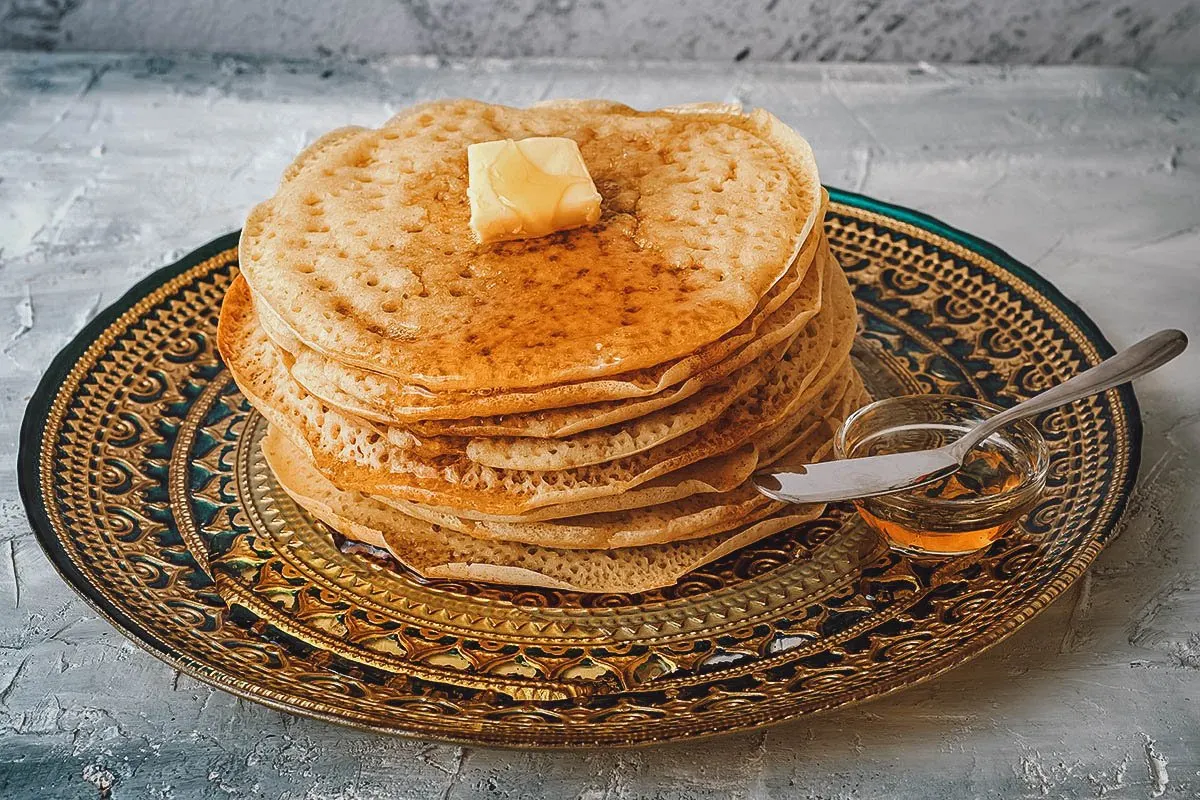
[[279, 333], [780, 445], [722, 473], [371, 395], [562, 422], [717, 474], [800, 365], [557, 423], [802, 357], [697, 515], [623, 438], [594, 446], [364, 250], [356, 456], [435, 552]]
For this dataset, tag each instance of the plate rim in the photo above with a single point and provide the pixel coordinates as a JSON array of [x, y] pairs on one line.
[[37, 411], [38, 407]]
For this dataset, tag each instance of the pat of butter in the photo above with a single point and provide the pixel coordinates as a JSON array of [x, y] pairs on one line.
[[528, 188]]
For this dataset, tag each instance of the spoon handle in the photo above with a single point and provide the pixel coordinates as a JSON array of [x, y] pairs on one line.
[[1132, 362]]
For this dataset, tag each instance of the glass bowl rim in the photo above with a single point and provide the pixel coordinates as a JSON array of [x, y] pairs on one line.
[[1033, 481]]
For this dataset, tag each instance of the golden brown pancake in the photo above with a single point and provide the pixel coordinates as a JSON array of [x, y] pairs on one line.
[[696, 515], [436, 552], [355, 455], [371, 395], [722, 473], [365, 253], [803, 358]]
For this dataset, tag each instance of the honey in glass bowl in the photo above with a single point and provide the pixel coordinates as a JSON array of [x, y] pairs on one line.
[[1001, 478]]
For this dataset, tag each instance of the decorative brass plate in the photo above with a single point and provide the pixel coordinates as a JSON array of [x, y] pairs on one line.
[[141, 475]]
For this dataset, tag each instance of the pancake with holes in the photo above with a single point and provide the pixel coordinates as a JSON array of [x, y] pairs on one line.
[[364, 252], [436, 552], [572, 394], [780, 315], [360, 455]]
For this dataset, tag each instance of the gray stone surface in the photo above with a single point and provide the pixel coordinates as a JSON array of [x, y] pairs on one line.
[[1127, 32], [111, 166]]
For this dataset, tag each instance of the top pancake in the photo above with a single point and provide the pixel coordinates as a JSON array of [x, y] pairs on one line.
[[365, 252], [781, 313]]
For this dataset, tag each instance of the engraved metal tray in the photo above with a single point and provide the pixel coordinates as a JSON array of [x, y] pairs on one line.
[[142, 478]]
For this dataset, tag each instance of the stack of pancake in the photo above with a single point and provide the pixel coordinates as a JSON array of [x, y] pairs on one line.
[[580, 411]]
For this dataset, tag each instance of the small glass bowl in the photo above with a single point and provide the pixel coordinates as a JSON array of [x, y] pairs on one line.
[[1002, 479]]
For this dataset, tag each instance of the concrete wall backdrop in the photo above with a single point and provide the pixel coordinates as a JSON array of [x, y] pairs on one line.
[[1127, 32]]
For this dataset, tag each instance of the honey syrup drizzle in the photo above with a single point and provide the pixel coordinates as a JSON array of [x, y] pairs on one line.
[[988, 471]]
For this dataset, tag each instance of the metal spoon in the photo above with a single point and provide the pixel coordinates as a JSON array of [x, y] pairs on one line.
[[874, 475]]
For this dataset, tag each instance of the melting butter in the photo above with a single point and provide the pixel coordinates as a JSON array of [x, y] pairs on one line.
[[528, 188]]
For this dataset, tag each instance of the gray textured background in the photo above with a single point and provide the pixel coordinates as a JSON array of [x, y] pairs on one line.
[[1126, 32], [111, 166]]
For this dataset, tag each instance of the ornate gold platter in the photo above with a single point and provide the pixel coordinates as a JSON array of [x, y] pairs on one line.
[[141, 475]]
